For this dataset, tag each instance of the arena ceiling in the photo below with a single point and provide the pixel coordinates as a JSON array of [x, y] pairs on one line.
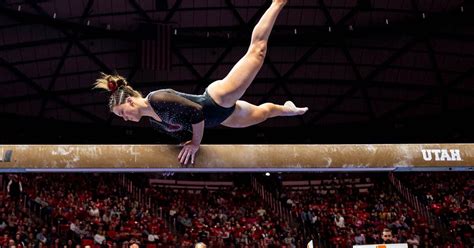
[[350, 61]]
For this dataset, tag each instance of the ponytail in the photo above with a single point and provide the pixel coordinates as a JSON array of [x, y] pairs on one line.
[[118, 86]]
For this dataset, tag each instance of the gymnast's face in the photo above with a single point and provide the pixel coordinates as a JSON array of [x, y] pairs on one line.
[[128, 110]]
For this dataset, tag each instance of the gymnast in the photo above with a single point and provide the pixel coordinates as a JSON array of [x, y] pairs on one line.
[[175, 111]]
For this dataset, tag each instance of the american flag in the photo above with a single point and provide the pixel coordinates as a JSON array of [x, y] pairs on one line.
[[155, 47]]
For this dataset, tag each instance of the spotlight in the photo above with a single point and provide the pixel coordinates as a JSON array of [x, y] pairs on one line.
[[267, 174]]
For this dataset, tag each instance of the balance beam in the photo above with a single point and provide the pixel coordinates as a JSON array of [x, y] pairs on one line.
[[237, 157]]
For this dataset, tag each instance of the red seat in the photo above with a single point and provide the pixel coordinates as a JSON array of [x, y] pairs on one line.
[[151, 246], [89, 242], [111, 234], [155, 229], [63, 228]]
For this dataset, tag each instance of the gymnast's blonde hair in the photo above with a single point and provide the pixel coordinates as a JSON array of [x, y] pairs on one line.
[[118, 86]]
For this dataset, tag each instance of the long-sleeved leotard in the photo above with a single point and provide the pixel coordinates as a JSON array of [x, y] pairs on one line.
[[178, 111]]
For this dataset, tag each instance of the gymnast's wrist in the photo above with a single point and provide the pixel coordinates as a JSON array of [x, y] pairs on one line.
[[195, 142]]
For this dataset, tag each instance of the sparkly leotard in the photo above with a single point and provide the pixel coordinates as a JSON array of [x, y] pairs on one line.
[[178, 111]]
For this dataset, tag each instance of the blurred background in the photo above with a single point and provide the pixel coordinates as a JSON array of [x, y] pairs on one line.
[[382, 71]]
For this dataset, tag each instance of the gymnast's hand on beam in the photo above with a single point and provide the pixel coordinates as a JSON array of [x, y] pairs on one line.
[[191, 147], [188, 152]]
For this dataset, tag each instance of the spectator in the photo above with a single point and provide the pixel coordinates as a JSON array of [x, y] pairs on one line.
[[387, 237], [339, 220], [359, 239], [42, 237], [200, 245], [14, 187], [99, 237]]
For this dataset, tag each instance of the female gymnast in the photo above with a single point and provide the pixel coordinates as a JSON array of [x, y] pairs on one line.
[[175, 111]]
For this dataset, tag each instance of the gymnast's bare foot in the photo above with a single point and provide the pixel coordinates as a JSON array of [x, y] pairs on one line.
[[280, 2], [293, 110]]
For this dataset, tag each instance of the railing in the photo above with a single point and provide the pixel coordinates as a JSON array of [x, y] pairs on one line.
[[39, 211], [138, 193], [271, 199], [413, 200]]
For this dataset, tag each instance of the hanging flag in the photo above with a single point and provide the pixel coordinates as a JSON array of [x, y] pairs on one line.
[[155, 47]]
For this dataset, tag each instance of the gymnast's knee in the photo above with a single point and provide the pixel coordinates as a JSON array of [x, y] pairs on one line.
[[258, 49], [265, 111]]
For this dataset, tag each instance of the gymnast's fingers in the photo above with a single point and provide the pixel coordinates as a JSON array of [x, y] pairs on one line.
[[188, 156], [181, 153], [183, 156]]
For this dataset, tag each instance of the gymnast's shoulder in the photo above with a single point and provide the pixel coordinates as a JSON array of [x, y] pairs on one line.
[[161, 95]]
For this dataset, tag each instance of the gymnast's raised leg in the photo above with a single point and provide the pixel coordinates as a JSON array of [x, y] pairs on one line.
[[228, 91]]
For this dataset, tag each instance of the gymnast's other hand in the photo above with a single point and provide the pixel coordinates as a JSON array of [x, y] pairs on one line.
[[188, 152]]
